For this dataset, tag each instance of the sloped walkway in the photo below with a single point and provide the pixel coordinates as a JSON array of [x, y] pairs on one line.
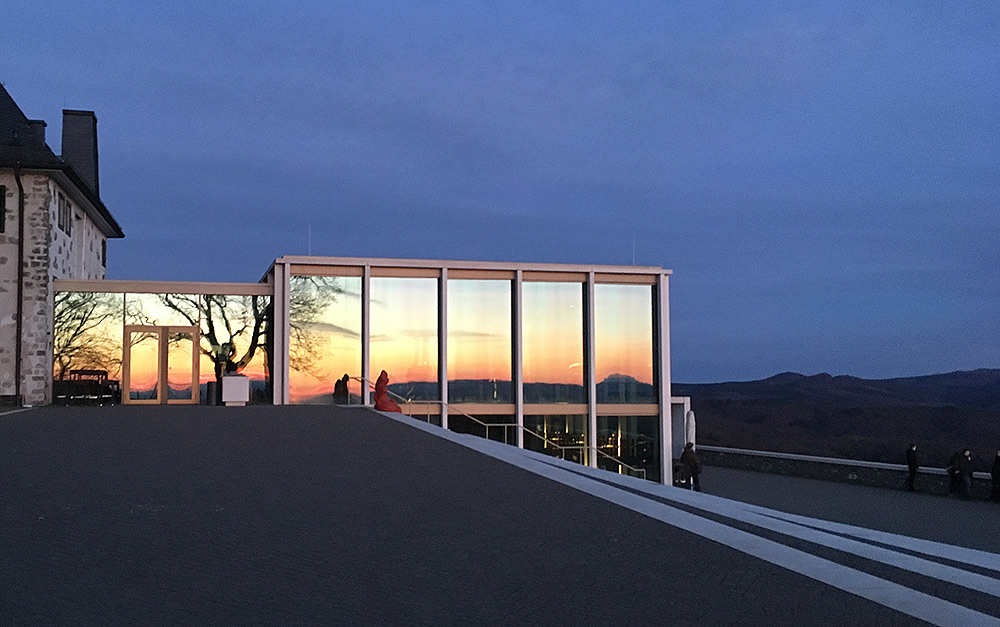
[[336, 516]]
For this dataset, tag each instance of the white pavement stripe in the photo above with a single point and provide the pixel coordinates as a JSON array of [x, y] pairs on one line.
[[965, 555], [15, 411], [955, 553], [906, 600], [805, 529]]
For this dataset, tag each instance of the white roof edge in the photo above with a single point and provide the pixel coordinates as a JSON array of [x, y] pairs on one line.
[[466, 264]]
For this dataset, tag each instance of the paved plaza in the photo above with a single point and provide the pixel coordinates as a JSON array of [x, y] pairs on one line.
[[344, 516]]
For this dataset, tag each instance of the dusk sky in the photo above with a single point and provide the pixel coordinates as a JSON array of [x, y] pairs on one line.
[[823, 178]]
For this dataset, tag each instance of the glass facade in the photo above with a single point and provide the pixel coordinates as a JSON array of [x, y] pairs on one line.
[[325, 337], [552, 345], [563, 435], [521, 346], [404, 335], [479, 341], [87, 334], [623, 343], [631, 440], [160, 336]]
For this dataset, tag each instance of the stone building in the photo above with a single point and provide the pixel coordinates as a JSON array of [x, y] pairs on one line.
[[53, 225]]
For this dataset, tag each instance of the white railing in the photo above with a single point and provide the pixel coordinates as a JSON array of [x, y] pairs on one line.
[[830, 460], [560, 449]]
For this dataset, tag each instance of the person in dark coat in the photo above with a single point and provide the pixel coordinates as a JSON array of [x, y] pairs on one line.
[[341, 395], [953, 474], [964, 471], [912, 463], [995, 473], [690, 467]]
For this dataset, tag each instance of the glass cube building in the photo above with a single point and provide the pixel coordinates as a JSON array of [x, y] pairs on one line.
[[569, 360]]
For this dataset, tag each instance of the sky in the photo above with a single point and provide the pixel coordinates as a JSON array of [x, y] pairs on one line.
[[821, 177]]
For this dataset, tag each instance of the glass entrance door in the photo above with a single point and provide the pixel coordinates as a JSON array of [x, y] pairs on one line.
[[160, 365]]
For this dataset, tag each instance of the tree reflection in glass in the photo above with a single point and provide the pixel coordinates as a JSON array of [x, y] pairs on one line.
[[87, 333], [325, 337]]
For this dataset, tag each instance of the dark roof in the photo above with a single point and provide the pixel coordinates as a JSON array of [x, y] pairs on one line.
[[22, 145]]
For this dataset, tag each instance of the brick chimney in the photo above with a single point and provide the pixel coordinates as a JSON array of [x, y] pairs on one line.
[[36, 134], [79, 145]]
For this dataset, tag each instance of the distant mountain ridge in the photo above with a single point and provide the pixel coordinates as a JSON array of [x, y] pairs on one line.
[[973, 389], [853, 418]]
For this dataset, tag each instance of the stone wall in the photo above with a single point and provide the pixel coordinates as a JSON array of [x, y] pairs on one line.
[[892, 476], [8, 285], [36, 361], [49, 253]]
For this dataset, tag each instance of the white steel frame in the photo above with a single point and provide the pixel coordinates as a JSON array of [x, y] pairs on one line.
[[589, 276]]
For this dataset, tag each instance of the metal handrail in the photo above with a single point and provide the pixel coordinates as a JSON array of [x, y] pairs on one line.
[[445, 407]]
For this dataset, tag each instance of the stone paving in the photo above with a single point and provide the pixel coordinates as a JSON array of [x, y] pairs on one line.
[[945, 519], [335, 516]]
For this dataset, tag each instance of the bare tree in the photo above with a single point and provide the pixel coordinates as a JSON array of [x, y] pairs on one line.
[[310, 296], [227, 323], [87, 332]]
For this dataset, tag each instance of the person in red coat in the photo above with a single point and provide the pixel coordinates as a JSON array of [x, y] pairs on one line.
[[382, 400]]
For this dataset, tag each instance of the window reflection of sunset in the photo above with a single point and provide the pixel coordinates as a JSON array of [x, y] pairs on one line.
[[623, 322], [144, 362], [404, 328], [479, 330], [337, 333], [552, 322]]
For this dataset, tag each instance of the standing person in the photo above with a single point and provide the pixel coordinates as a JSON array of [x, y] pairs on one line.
[[691, 466], [964, 467], [339, 392], [953, 473], [912, 463], [995, 473]]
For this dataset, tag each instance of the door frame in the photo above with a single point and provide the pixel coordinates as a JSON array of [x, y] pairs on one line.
[[163, 334]]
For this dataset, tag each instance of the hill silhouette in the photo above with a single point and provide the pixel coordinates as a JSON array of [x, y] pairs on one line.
[[854, 418]]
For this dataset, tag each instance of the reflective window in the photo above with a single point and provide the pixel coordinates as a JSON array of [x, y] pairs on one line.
[[234, 331], [233, 335], [182, 310], [87, 333], [325, 337], [144, 365], [563, 436], [552, 345], [623, 338], [404, 335], [479, 341], [633, 440]]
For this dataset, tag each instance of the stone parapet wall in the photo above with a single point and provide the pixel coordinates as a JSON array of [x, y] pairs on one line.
[[893, 476]]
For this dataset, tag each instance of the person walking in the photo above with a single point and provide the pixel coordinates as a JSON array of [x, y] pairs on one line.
[[691, 467], [963, 468], [912, 463], [995, 473]]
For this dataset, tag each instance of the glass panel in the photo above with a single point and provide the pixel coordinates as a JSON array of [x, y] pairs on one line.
[[634, 440], [486, 426], [623, 338], [479, 341], [325, 340], [180, 310], [552, 322], [179, 352], [561, 436], [144, 365], [234, 332], [87, 334], [404, 335]]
